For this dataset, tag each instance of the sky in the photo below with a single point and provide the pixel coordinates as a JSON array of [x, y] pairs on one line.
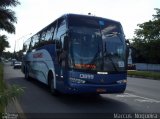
[[33, 15]]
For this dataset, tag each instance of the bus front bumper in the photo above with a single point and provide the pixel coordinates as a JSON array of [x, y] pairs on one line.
[[97, 89]]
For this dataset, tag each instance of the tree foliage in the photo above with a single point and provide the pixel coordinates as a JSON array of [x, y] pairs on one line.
[[7, 55], [7, 20], [147, 40], [7, 16], [3, 43]]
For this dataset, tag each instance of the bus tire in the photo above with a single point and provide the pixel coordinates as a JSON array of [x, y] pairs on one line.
[[51, 84]]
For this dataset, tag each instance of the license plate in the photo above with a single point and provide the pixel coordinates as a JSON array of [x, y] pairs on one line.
[[100, 90]]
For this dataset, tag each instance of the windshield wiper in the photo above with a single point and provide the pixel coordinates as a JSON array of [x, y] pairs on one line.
[[113, 64], [109, 57], [95, 57]]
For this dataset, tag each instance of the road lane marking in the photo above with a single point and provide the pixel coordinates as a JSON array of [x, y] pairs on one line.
[[147, 100], [142, 99], [127, 95]]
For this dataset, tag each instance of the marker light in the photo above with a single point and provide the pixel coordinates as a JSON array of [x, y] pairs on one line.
[[122, 81], [102, 72]]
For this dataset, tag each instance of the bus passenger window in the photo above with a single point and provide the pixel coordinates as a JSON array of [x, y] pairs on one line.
[[42, 38], [61, 28], [35, 41], [49, 34], [26, 45]]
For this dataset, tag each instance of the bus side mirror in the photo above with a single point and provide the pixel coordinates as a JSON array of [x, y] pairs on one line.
[[127, 47], [127, 42]]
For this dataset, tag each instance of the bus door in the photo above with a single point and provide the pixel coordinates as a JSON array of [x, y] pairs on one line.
[[61, 67]]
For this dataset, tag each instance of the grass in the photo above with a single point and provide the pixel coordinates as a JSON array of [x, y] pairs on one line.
[[2, 86], [145, 74], [7, 93]]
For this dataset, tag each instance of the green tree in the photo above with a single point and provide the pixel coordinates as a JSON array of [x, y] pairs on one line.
[[7, 55], [7, 16], [7, 20], [147, 40], [3, 43]]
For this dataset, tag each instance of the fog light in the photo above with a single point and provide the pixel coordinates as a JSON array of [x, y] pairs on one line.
[[122, 81]]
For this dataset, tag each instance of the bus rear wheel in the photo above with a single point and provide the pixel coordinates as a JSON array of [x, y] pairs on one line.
[[51, 84]]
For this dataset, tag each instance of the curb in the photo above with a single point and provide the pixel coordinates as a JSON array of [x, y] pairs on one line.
[[149, 78]]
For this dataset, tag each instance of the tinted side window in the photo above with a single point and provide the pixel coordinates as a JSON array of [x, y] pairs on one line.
[[61, 28], [49, 34], [35, 41], [55, 30], [26, 45], [43, 35]]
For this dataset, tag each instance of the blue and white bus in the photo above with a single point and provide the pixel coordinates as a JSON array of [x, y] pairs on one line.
[[78, 54]]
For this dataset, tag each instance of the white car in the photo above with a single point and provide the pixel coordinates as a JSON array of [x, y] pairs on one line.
[[17, 65]]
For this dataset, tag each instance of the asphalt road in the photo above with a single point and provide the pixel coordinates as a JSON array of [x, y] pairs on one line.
[[141, 96]]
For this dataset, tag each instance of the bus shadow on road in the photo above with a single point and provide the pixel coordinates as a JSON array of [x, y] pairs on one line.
[[95, 103], [86, 103]]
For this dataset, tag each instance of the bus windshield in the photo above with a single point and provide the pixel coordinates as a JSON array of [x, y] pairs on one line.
[[97, 46]]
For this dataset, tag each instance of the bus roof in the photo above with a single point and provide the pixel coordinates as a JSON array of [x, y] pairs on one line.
[[91, 16], [75, 15]]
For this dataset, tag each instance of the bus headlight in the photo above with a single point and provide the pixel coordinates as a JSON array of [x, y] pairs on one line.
[[122, 81], [75, 80]]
